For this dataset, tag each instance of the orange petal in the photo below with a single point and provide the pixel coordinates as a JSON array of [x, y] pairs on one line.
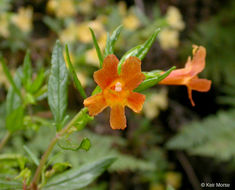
[[117, 117], [197, 64], [190, 96], [201, 85], [176, 77], [95, 104], [135, 101], [108, 73], [131, 73]]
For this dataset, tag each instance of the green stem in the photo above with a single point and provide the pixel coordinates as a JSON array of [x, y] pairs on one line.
[[5, 139], [49, 149]]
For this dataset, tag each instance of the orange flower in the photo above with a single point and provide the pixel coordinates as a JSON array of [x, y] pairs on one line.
[[188, 75], [117, 90]]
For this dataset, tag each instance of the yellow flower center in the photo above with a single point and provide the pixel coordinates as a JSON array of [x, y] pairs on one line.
[[115, 93]]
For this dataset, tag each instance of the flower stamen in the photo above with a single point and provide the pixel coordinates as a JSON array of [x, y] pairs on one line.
[[118, 87]]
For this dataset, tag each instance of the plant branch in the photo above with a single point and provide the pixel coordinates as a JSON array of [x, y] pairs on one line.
[[49, 149], [4, 140]]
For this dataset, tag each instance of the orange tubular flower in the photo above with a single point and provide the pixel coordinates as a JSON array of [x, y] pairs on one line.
[[188, 75], [117, 90]]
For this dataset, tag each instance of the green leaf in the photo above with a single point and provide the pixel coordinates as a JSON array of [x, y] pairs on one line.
[[73, 74], [58, 168], [82, 119], [85, 144], [9, 77], [139, 51], [152, 79], [58, 85], [98, 51], [68, 144], [13, 100], [31, 154], [96, 90], [14, 160], [109, 49], [6, 184], [78, 178], [14, 121], [37, 83], [27, 71]]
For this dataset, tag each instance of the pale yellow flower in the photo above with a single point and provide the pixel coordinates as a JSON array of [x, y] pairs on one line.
[[122, 8], [82, 78], [91, 57], [131, 22], [102, 41], [61, 8], [4, 23], [52, 6], [157, 186], [154, 103], [169, 38], [23, 19], [102, 19], [83, 32], [69, 34], [174, 179], [85, 6], [174, 18]]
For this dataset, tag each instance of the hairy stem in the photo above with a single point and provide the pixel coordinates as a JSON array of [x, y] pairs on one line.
[[48, 151], [4, 140]]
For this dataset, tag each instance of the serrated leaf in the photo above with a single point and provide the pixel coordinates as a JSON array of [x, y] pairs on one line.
[[152, 79], [109, 49], [58, 85], [14, 121], [31, 154], [27, 71], [78, 178], [73, 74], [139, 51], [98, 51]]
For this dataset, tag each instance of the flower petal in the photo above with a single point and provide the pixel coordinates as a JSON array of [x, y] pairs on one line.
[[131, 73], [117, 117], [197, 64], [135, 101], [190, 96], [95, 104], [108, 73], [176, 77], [201, 85]]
